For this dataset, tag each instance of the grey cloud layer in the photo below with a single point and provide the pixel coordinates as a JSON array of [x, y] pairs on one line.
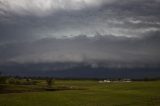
[[125, 18], [130, 28], [107, 49]]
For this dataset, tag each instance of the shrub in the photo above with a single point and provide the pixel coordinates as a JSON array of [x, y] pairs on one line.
[[3, 80], [50, 82]]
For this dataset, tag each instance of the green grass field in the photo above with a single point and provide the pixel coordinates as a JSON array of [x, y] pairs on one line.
[[91, 93]]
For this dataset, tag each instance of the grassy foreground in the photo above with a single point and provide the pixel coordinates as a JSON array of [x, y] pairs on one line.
[[92, 94]]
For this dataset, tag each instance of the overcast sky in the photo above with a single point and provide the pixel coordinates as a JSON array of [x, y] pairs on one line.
[[113, 31]]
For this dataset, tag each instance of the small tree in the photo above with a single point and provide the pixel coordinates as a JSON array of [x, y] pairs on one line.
[[28, 81], [2, 79], [50, 82]]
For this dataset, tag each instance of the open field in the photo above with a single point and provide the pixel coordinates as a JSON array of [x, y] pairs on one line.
[[83, 93]]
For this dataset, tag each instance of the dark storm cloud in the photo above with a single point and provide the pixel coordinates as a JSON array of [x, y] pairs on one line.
[[125, 18], [106, 49], [128, 31]]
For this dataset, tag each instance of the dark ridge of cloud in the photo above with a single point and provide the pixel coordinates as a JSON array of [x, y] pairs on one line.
[[104, 49]]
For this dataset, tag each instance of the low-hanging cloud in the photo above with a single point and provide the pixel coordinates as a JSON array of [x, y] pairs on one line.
[[107, 50]]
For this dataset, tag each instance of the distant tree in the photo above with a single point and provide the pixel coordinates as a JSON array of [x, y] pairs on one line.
[[28, 81], [50, 82], [146, 79], [2, 79]]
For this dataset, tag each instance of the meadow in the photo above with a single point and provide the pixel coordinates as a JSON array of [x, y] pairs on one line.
[[82, 93]]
